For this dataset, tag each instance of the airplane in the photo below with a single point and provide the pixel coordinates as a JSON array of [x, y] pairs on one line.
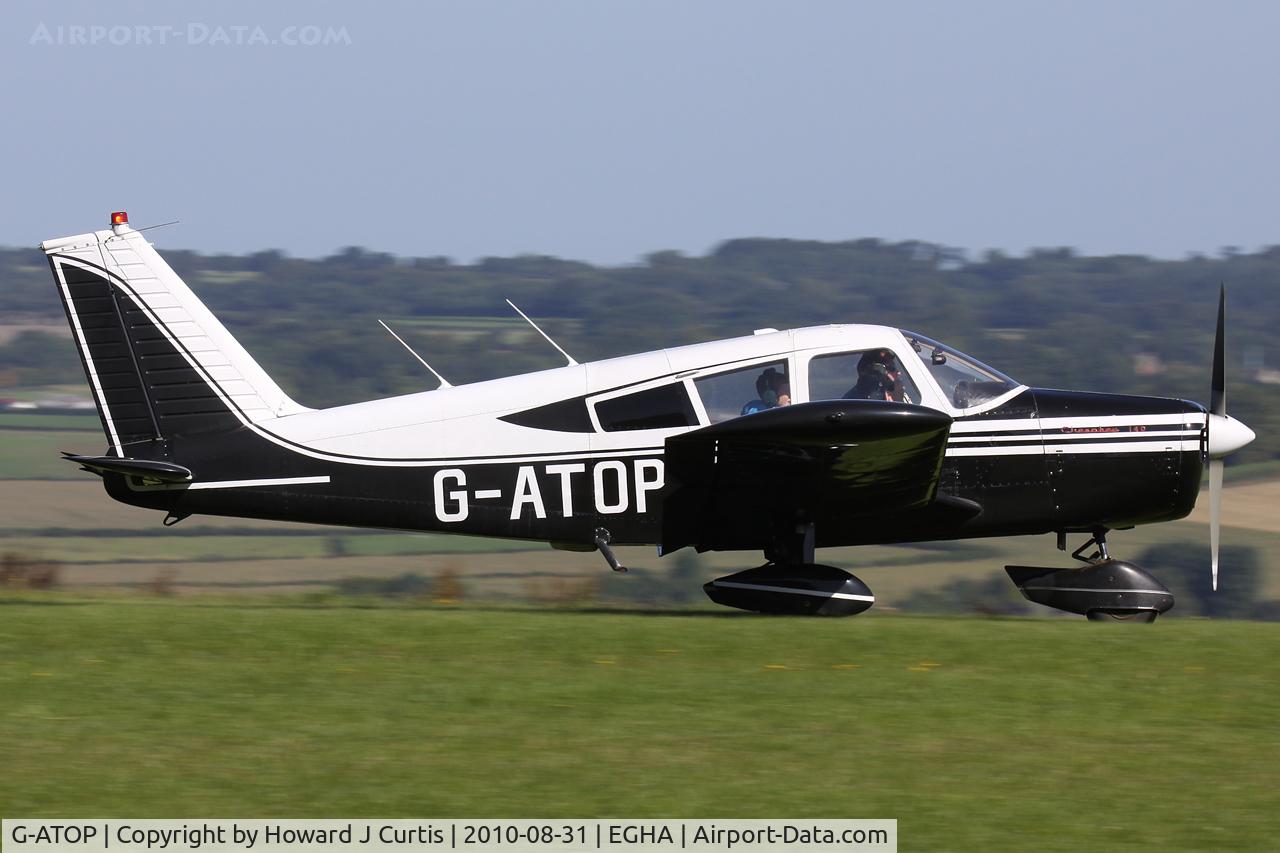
[[781, 442]]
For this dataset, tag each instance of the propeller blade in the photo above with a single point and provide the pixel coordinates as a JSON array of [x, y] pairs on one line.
[[1218, 407], [1218, 397], [1215, 515]]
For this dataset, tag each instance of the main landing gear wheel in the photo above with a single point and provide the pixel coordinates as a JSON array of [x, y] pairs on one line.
[[792, 589], [1122, 615]]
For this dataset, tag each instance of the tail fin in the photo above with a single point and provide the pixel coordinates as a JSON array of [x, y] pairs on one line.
[[160, 365]]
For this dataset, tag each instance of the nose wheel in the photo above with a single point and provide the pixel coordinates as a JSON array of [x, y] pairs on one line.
[[1103, 590], [1121, 615]]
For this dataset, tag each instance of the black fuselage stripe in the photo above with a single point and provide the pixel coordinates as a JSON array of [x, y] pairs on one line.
[[1058, 432], [1051, 442], [1034, 432]]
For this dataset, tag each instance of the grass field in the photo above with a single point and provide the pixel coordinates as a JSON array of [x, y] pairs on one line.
[[975, 734]]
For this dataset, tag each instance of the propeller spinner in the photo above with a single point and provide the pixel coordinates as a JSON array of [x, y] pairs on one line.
[[1226, 435]]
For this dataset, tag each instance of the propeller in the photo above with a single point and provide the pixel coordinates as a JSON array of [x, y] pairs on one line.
[[1226, 435]]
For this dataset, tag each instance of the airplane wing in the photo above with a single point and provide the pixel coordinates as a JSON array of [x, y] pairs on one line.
[[834, 462]]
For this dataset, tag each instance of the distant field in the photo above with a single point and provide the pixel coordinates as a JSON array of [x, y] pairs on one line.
[[462, 323], [33, 455], [186, 548], [494, 567], [975, 734], [82, 502], [40, 422], [1252, 505], [10, 331]]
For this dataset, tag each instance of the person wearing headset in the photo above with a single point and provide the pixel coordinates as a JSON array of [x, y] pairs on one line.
[[772, 390]]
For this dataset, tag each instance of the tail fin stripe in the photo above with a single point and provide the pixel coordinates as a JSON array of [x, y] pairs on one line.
[[99, 395]]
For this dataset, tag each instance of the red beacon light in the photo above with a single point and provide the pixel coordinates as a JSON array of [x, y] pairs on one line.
[[119, 218]]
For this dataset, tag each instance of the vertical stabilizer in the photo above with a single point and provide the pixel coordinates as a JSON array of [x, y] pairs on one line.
[[160, 365]]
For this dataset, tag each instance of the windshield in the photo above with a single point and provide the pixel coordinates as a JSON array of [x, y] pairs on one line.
[[965, 381]]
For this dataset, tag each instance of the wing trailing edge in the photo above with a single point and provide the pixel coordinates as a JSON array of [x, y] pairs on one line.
[[836, 464]]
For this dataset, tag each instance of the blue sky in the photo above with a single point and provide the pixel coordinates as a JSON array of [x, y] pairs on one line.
[[606, 130]]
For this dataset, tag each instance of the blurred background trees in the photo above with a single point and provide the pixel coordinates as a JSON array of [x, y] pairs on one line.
[[1052, 317]]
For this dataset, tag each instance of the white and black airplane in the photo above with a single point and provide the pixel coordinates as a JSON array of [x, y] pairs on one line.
[[781, 442]]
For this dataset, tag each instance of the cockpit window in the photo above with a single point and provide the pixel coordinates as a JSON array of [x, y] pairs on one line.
[[965, 381], [873, 374]]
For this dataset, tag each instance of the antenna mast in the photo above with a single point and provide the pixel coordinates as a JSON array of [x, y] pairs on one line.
[[572, 363], [444, 383]]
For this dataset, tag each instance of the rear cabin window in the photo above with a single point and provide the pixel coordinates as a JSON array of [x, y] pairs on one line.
[[663, 407], [744, 391]]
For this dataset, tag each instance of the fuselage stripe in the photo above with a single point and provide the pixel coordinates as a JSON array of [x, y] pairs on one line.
[[1057, 438], [1176, 420], [269, 481], [847, 596], [1169, 446]]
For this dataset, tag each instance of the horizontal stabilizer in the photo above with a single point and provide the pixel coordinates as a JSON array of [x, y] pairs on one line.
[[147, 469]]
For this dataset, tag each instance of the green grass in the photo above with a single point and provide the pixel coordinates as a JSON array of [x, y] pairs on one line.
[[974, 734]]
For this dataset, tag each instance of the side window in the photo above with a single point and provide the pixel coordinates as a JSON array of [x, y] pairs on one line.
[[655, 408], [874, 374], [745, 391], [562, 416]]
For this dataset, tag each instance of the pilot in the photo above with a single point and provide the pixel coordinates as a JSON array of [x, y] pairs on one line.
[[772, 390], [879, 378]]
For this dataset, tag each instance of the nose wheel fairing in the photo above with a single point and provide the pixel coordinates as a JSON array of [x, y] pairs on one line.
[[1107, 586]]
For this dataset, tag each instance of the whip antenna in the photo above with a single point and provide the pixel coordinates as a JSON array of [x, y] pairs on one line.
[[572, 363], [444, 383]]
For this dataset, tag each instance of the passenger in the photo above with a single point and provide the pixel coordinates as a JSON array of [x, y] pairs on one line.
[[772, 390], [878, 378]]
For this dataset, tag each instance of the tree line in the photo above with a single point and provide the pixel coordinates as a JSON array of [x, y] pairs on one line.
[[1051, 317]]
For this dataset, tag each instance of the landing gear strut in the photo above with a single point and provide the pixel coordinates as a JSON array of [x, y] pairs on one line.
[[1105, 590], [794, 546], [1098, 540]]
